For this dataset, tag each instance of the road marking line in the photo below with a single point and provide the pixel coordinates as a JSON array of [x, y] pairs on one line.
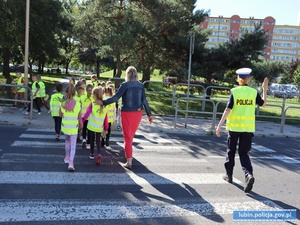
[[129, 178], [58, 159], [116, 139], [282, 158], [143, 147], [286, 159], [53, 210], [262, 148]]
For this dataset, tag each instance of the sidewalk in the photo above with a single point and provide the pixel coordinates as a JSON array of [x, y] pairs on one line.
[[9, 116]]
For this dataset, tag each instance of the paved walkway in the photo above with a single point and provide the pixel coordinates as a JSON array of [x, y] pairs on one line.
[[9, 116]]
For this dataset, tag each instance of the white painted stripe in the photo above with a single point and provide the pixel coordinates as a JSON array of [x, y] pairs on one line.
[[112, 138], [41, 136], [129, 178], [153, 147], [286, 159], [53, 210], [38, 144], [262, 148], [282, 158], [58, 159]]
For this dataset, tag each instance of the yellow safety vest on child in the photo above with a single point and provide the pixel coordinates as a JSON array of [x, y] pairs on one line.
[[55, 103], [96, 119], [19, 82], [69, 123], [42, 92], [85, 102], [111, 112]]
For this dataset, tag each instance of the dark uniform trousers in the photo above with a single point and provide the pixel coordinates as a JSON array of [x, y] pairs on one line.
[[244, 141]]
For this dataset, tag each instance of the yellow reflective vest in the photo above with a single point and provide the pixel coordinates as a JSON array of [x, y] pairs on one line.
[[242, 115], [69, 123], [96, 119], [85, 102], [42, 92], [19, 82], [33, 88], [111, 112], [55, 103]]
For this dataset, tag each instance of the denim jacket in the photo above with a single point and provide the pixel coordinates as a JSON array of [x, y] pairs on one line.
[[133, 97]]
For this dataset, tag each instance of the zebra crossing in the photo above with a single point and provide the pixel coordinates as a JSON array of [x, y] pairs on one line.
[[162, 158]]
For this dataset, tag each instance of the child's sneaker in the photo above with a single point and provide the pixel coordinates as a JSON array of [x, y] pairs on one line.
[[91, 156], [71, 167], [57, 137], [14, 106], [88, 146], [25, 112], [98, 159], [39, 113], [83, 142], [67, 159]]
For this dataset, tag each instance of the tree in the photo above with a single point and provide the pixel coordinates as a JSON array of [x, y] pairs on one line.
[[289, 71], [164, 39], [12, 29], [44, 26], [223, 60], [296, 78]]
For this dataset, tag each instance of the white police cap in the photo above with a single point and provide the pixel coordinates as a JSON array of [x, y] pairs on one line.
[[243, 72]]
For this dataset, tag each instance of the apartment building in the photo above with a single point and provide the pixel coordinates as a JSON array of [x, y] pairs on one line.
[[283, 41]]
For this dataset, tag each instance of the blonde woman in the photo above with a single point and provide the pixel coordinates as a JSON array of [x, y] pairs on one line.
[[133, 101]]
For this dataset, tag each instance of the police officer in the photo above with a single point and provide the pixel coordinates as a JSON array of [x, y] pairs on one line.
[[240, 115]]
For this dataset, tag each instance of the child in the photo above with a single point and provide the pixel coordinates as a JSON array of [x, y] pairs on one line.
[[85, 102], [20, 91], [71, 117], [34, 89], [94, 80], [111, 111], [97, 118], [41, 94], [55, 104]]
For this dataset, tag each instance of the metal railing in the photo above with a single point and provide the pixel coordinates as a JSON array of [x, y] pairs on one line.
[[17, 100], [284, 117], [192, 111], [215, 112]]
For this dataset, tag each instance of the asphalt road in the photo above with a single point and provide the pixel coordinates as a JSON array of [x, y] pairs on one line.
[[176, 179]]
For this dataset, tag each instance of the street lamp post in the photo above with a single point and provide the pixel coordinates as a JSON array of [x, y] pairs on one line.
[[26, 48], [191, 52]]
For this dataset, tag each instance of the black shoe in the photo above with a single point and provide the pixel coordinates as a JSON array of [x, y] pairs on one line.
[[249, 180], [227, 178]]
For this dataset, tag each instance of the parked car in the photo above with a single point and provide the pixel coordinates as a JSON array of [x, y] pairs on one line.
[[276, 91], [290, 90]]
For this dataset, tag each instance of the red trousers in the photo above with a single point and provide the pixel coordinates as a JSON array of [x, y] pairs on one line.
[[130, 123]]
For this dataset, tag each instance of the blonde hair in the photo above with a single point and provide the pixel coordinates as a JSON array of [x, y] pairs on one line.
[[98, 93], [243, 81], [70, 92], [131, 74]]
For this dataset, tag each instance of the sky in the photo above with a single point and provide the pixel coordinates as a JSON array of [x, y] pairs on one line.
[[285, 12]]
